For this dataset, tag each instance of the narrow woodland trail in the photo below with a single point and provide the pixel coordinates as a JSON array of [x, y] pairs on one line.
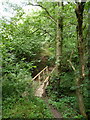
[[53, 110], [40, 92]]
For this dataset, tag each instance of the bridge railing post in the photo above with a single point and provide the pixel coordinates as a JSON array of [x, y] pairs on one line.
[[43, 75], [47, 70], [39, 78]]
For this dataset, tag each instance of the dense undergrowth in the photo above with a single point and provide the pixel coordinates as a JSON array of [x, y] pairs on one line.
[[25, 108], [66, 106], [20, 56], [65, 99]]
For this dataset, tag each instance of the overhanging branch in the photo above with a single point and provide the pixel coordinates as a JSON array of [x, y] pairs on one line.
[[71, 65], [71, 62], [34, 31], [50, 16], [45, 31]]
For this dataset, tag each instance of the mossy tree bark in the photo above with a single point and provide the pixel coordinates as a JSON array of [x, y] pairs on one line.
[[79, 14], [59, 37], [88, 65]]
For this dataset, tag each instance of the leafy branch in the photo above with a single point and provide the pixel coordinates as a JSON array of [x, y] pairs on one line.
[[49, 15]]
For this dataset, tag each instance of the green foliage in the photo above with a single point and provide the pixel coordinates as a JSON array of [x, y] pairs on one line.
[[66, 85], [26, 39], [21, 49], [20, 53], [25, 108], [66, 105], [67, 80], [52, 87]]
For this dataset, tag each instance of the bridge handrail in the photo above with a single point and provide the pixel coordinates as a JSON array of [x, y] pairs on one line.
[[40, 73]]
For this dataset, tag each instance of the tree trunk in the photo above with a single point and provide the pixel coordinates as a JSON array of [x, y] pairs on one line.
[[79, 14], [59, 39], [88, 65], [80, 97]]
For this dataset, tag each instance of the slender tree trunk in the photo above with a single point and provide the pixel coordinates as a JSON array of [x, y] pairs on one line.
[[80, 96], [88, 65], [79, 14], [89, 41], [59, 39]]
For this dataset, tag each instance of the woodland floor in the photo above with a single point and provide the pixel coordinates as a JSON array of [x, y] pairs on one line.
[[40, 93]]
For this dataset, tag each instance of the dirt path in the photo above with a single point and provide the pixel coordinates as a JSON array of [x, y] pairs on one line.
[[40, 93], [53, 110]]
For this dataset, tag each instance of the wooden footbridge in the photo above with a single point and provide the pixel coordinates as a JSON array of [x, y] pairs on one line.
[[42, 80]]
